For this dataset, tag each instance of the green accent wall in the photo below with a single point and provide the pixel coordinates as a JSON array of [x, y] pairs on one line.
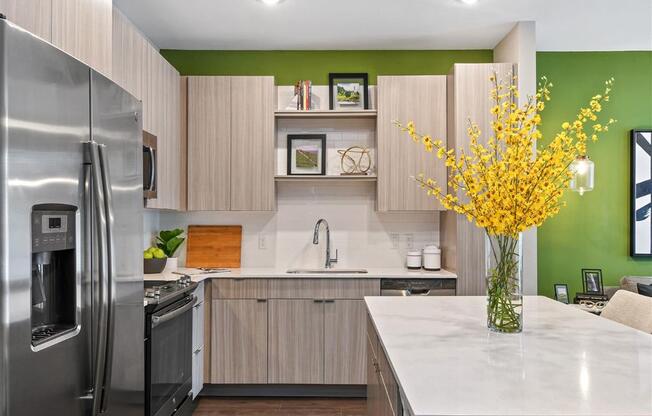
[[291, 66], [593, 230]]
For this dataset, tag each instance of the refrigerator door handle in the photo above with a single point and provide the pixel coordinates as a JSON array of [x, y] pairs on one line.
[[110, 339], [102, 327]]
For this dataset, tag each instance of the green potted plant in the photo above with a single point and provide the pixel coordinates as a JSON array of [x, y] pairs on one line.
[[169, 242]]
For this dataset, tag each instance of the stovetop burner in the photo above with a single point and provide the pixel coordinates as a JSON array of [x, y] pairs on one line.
[[162, 291]]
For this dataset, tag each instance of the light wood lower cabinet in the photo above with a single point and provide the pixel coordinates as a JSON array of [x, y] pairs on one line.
[[344, 342], [261, 335], [378, 403], [239, 341], [383, 397], [296, 341]]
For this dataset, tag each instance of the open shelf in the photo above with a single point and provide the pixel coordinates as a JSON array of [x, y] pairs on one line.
[[325, 178], [326, 114]]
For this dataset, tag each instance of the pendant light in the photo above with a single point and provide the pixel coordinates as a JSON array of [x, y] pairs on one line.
[[583, 170]]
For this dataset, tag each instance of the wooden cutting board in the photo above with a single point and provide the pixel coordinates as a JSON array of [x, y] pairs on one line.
[[214, 246]]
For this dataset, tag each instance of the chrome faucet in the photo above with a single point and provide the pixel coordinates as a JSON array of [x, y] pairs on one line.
[[315, 240]]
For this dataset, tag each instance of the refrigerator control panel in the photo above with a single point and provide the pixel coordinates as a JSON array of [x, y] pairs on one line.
[[53, 229]]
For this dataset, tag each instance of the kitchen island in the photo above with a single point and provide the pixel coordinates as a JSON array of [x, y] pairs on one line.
[[435, 356]]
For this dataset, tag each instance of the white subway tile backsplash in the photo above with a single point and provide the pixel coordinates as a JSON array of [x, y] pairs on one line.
[[362, 236]]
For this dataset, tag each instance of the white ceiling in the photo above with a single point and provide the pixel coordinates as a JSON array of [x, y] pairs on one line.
[[562, 25]]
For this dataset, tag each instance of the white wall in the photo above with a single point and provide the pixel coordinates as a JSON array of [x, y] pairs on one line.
[[519, 47], [362, 235], [150, 226]]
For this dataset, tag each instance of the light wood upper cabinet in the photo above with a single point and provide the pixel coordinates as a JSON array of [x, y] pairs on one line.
[[296, 341], [32, 15], [129, 55], [345, 342], [463, 243], [83, 28], [239, 341], [164, 112], [209, 143], [231, 143], [421, 99], [252, 144]]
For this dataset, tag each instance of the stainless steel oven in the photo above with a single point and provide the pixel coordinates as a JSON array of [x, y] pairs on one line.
[[168, 351], [150, 166]]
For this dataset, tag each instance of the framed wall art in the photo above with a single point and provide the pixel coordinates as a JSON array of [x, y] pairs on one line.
[[641, 194], [348, 91], [592, 281], [561, 293], [306, 154]]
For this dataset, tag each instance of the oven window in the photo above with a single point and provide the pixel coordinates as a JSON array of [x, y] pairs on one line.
[[171, 359]]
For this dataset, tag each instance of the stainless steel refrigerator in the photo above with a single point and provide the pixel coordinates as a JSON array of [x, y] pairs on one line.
[[71, 281]]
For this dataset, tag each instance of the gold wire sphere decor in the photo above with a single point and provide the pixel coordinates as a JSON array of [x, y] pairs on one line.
[[355, 160]]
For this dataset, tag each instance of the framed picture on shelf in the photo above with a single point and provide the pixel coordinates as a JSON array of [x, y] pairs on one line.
[[561, 293], [592, 281], [641, 194], [306, 154], [348, 91]]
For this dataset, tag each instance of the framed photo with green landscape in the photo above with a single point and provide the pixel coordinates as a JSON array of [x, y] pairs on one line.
[[306, 154], [348, 91]]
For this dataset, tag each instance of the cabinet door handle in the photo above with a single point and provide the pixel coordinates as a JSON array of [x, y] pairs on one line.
[[261, 300], [329, 300], [318, 300]]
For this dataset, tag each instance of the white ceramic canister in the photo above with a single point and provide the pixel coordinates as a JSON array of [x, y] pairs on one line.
[[432, 258], [413, 260]]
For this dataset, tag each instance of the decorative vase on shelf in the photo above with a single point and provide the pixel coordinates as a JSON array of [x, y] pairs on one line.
[[504, 283]]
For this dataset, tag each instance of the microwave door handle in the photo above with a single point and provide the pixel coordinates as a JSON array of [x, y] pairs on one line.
[[152, 168], [100, 228], [110, 267]]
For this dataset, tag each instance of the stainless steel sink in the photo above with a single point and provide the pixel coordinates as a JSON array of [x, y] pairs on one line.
[[327, 271]]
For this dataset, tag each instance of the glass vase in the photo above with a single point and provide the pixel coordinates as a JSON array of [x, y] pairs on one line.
[[504, 283]]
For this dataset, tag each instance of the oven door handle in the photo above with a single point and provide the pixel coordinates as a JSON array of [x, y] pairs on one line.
[[159, 319]]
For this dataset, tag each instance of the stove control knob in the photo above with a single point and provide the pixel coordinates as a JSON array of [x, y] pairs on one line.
[[152, 293]]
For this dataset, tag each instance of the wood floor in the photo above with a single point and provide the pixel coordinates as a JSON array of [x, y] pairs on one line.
[[216, 406]]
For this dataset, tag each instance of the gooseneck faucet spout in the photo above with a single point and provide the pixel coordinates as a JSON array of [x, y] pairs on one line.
[[315, 240]]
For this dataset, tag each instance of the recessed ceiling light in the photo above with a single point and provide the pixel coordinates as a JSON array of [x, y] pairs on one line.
[[469, 2], [271, 2]]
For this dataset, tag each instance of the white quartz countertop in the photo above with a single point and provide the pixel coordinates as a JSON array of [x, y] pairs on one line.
[[565, 362], [384, 273]]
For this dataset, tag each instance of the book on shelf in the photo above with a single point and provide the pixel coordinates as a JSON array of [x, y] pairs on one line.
[[303, 92]]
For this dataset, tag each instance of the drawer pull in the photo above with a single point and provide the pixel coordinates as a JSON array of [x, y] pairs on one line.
[[319, 300], [329, 300], [261, 300], [197, 351]]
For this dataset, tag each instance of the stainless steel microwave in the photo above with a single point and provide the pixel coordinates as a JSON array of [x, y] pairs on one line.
[[150, 154]]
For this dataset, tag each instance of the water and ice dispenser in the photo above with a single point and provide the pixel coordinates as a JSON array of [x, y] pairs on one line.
[[54, 271]]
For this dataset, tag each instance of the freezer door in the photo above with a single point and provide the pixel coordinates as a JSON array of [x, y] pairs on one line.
[[116, 124], [44, 119]]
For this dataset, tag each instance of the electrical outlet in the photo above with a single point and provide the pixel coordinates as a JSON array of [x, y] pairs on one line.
[[262, 241], [395, 239], [409, 241]]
